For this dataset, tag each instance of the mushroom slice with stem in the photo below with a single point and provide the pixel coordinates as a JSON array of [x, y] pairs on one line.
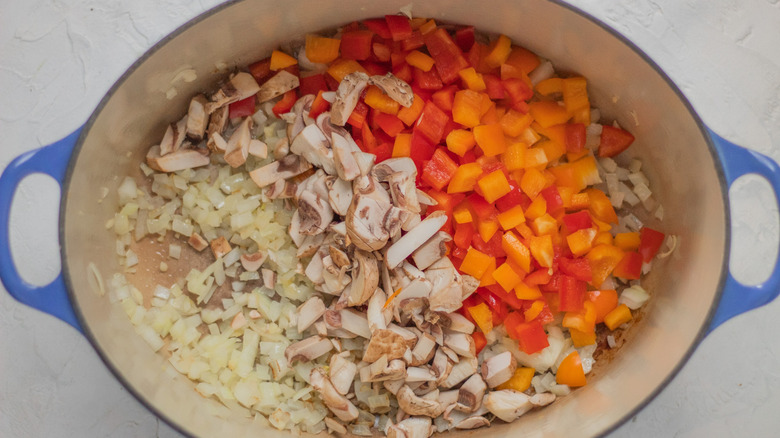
[[507, 404], [197, 118], [344, 158], [238, 145], [404, 192], [409, 242], [472, 422], [412, 427], [395, 88], [471, 393], [447, 286], [258, 148], [460, 343], [384, 342], [307, 349], [365, 217], [414, 405], [279, 84], [310, 245], [432, 250], [347, 96], [381, 370], [253, 261], [355, 322], [287, 167], [342, 372], [217, 123], [312, 145], [300, 111], [174, 137], [365, 278], [269, 278], [175, 161], [460, 372], [334, 277], [498, 369], [314, 212], [281, 189], [336, 402], [419, 374], [403, 165], [441, 366], [309, 312], [542, 399], [424, 350], [239, 87], [339, 194], [378, 316]]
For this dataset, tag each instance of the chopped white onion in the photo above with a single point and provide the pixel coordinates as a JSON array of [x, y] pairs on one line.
[[634, 297]]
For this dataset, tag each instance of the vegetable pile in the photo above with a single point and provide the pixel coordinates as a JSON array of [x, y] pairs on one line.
[[412, 229]]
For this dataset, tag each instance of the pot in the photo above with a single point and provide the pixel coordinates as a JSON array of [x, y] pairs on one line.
[[693, 292]]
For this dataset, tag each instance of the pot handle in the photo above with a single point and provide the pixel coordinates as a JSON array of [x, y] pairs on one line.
[[738, 298], [51, 160]]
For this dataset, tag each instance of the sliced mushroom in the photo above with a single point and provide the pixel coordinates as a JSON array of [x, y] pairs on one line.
[[393, 386], [238, 145], [197, 118], [253, 261], [312, 145], [310, 245], [412, 427], [307, 349], [507, 404], [419, 374], [258, 148], [344, 158], [198, 242], [441, 366], [219, 246], [424, 350], [269, 278], [337, 403], [447, 286], [384, 342], [472, 422], [408, 337], [340, 258], [409, 242], [365, 278], [542, 399], [217, 123], [281, 148], [335, 278], [432, 250], [300, 111], [355, 322], [314, 212], [460, 372], [425, 199], [239, 87], [174, 137], [347, 96], [365, 217], [404, 191], [402, 165], [309, 312], [382, 370], [339, 194], [414, 405], [175, 161], [281, 189], [459, 323], [498, 369], [334, 426], [287, 167], [342, 372], [471, 393], [378, 316], [460, 343], [470, 285], [277, 85], [395, 88]]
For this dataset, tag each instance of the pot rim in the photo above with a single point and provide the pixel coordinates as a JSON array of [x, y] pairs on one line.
[[703, 330]]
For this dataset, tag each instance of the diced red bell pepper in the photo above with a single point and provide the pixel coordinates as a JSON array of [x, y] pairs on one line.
[[572, 293], [614, 141], [463, 235], [578, 268], [497, 306], [431, 123], [448, 56], [414, 41], [404, 73], [629, 267], [511, 322], [493, 86], [356, 44], [492, 247], [531, 337], [427, 80], [438, 171], [399, 26], [481, 208], [444, 201], [479, 341], [358, 116], [389, 123], [514, 197], [650, 242], [553, 198], [242, 108], [577, 221], [464, 38], [379, 27], [381, 52], [312, 84], [261, 70], [285, 104], [517, 90], [575, 137], [421, 150], [373, 68], [369, 140], [383, 151], [445, 97], [545, 316], [508, 297]]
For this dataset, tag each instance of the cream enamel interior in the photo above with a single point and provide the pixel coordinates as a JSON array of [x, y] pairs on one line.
[[671, 143]]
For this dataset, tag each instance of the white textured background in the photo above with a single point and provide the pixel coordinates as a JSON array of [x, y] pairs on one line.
[[58, 58]]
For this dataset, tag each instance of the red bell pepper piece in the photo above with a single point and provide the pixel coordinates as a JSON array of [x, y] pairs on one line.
[[379, 27], [319, 105], [242, 108], [438, 171], [531, 337], [261, 70], [517, 90], [445, 201], [403, 72], [427, 80], [431, 123], [497, 306], [545, 316], [508, 297], [572, 293], [514, 197], [492, 247], [553, 199], [511, 322], [383, 152], [575, 137], [463, 235], [614, 141], [650, 242], [538, 277], [445, 97], [479, 341], [399, 27], [389, 123], [481, 208], [356, 44], [464, 38], [358, 116], [312, 84], [577, 221], [578, 268], [372, 68], [629, 267], [421, 150], [448, 56], [414, 41], [285, 104], [493, 86]]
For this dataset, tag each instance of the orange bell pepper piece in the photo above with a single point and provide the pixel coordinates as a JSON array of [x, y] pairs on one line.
[[483, 317], [475, 263], [465, 178], [532, 312], [418, 59], [520, 380], [342, 67], [506, 277], [617, 317], [487, 228], [490, 138], [603, 259], [377, 99], [511, 218], [570, 371], [514, 122], [584, 320], [550, 86], [472, 80], [467, 108], [575, 98], [516, 251], [494, 185], [582, 339], [552, 149], [487, 278], [542, 250], [280, 60], [525, 292], [402, 147], [462, 215], [498, 52], [601, 207], [627, 241], [321, 50], [523, 59], [581, 241], [410, 115], [544, 224], [579, 201], [514, 156], [427, 27], [548, 113], [603, 238], [532, 182], [604, 301], [460, 141], [535, 157]]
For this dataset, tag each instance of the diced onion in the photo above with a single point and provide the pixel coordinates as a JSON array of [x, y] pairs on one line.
[[634, 297]]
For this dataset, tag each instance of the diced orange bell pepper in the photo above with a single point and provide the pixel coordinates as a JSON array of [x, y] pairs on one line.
[[506, 277], [514, 122], [377, 99], [516, 251], [475, 263], [532, 312], [460, 141], [582, 339], [467, 108], [498, 52], [535, 157], [280, 60], [537, 208], [603, 238], [487, 228], [487, 278], [342, 67], [575, 98], [542, 250], [418, 59], [321, 50], [465, 178], [544, 224], [627, 241], [533, 182], [525, 292], [603, 259], [577, 175], [579, 201], [523, 59], [570, 371], [409, 115], [461, 214], [550, 86], [482, 316], [402, 146], [584, 320], [490, 138], [552, 149], [472, 80], [556, 133], [520, 380], [604, 301], [427, 27], [548, 113], [581, 241], [617, 317], [511, 218], [494, 185], [514, 156], [601, 207]]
